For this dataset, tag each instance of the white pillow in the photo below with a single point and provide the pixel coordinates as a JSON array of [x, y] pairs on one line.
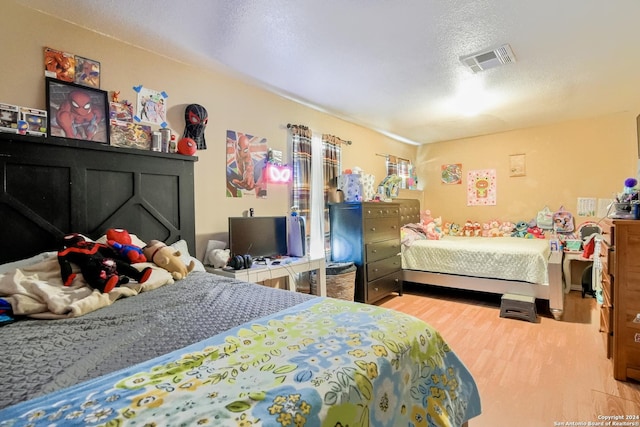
[[181, 245], [4, 268]]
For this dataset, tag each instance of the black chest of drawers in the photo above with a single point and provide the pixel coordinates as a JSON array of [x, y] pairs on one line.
[[368, 234]]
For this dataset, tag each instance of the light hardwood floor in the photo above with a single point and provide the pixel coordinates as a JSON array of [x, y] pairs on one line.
[[528, 374]]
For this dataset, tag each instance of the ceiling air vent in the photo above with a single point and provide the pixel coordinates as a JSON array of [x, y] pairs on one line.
[[489, 59]]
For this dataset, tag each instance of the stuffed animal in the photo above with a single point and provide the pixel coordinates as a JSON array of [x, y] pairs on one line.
[[446, 228], [168, 258], [438, 222], [425, 217], [520, 229], [432, 232], [535, 232], [218, 258], [477, 229], [98, 264], [506, 228], [494, 228], [467, 229], [120, 241]]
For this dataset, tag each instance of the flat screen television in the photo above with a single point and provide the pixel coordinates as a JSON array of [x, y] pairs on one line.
[[258, 236]]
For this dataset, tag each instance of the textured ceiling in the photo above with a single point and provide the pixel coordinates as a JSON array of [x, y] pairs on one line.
[[394, 66]]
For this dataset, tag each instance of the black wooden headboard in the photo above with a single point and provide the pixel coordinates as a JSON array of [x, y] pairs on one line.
[[55, 186]]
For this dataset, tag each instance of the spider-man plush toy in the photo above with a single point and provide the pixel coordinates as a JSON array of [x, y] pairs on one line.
[[120, 241], [98, 264]]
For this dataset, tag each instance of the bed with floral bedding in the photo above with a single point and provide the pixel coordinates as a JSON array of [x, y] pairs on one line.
[[289, 359]]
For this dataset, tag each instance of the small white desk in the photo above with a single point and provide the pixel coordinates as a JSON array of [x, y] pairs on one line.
[[570, 268], [288, 267]]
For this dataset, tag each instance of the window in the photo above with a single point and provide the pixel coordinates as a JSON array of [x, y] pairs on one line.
[[316, 164], [403, 168]]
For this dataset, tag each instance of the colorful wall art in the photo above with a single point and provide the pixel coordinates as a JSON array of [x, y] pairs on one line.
[[481, 187], [452, 173]]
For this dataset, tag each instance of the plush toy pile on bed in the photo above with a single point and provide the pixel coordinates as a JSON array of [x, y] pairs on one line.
[[493, 228], [98, 263], [80, 277], [434, 229], [106, 266]]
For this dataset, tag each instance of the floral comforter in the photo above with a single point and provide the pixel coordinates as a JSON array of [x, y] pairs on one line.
[[324, 362]]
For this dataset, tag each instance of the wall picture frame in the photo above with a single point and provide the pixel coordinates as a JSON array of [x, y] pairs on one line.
[[87, 72], [517, 165], [77, 112]]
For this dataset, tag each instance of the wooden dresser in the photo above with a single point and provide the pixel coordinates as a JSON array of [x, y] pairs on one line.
[[606, 280], [620, 312], [368, 234]]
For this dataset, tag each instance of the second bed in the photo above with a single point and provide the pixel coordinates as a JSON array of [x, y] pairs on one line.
[[499, 265]]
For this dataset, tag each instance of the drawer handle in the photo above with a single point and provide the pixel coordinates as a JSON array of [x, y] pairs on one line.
[[375, 270], [637, 319], [375, 289], [375, 251], [394, 227], [373, 229]]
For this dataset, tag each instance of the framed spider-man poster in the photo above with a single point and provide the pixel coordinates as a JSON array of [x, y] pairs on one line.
[[77, 112]]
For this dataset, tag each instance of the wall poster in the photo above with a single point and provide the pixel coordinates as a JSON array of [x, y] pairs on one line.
[[246, 161], [151, 106], [451, 173], [481, 187]]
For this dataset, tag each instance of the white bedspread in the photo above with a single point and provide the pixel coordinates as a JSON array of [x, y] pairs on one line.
[[509, 258]]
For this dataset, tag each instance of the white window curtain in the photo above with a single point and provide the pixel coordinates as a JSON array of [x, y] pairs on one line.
[[316, 161], [331, 160], [317, 237]]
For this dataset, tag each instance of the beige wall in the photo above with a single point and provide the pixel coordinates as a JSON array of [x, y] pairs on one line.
[[231, 104], [589, 158], [585, 158]]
